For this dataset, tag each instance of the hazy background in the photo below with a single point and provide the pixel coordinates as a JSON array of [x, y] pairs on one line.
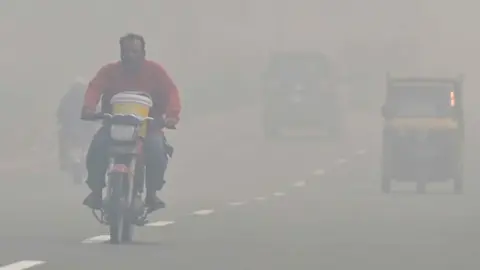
[[216, 51], [217, 48]]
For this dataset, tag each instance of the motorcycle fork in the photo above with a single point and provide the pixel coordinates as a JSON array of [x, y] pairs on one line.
[[129, 182], [132, 184], [120, 166]]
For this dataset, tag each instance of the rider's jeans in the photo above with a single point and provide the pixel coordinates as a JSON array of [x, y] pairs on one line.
[[155, 160]]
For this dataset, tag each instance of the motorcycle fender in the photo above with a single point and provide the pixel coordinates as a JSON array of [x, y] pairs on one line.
[[119, 168]]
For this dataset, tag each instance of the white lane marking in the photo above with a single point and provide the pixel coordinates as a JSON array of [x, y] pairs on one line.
[[96, 239], [236, 203], [300, 184], [159, 223], [341, 160], [361, 152], [260, 198], [319, 172], [203, 212], [20, 265], [279, 194]]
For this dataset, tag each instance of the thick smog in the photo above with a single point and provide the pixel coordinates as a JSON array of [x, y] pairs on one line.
[[239, 134]]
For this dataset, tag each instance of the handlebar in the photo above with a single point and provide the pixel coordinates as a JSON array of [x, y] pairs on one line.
[[107, 116], [101, 116]]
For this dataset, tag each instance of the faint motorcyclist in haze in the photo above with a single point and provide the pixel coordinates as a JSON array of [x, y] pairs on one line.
[[71, 130]]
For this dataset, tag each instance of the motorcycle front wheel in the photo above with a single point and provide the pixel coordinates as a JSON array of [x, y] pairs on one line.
[[115, 209]]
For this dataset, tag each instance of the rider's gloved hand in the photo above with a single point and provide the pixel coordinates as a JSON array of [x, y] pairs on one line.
[[171, 122], [88, 113]]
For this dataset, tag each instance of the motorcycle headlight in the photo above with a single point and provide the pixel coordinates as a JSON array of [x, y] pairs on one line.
[[123, 133]]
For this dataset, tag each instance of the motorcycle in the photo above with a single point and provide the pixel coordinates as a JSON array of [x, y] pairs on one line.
[[77, 165], [123, 206], [73, 151]]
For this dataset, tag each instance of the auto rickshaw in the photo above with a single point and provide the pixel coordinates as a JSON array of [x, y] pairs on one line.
[[423, 133]]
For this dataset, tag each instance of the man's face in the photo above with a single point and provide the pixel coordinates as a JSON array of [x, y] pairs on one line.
[[132, 53]]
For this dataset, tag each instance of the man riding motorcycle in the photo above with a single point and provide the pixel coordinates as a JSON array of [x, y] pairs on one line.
[[132, 72], [72, 131]]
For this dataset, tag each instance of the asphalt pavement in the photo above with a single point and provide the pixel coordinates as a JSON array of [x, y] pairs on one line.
[[236, 201]]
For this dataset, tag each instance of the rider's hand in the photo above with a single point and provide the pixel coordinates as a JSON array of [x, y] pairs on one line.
[[87, 113], [170, 122]]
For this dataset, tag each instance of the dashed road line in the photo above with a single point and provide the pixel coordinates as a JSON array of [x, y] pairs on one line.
[[300, 184], [319, 172], [160, 223], [203, 212], [341, 161], [20, 265], [361, 152], [236, 203], [96, 239]]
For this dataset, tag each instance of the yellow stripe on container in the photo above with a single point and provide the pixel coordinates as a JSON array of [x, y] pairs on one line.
[[126, 103]]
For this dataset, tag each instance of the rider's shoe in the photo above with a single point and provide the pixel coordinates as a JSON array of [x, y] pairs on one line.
[[153, 202], [94, 200]]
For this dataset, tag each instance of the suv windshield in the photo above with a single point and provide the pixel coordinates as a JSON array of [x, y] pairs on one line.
[[297, 66], [420, 101]]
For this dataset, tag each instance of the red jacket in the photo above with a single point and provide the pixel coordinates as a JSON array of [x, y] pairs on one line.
[[111, 79]]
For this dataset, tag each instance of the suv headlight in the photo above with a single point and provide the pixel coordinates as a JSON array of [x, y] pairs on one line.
[[123, 133]]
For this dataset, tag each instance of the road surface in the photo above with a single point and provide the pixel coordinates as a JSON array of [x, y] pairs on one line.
[[236, 201]]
